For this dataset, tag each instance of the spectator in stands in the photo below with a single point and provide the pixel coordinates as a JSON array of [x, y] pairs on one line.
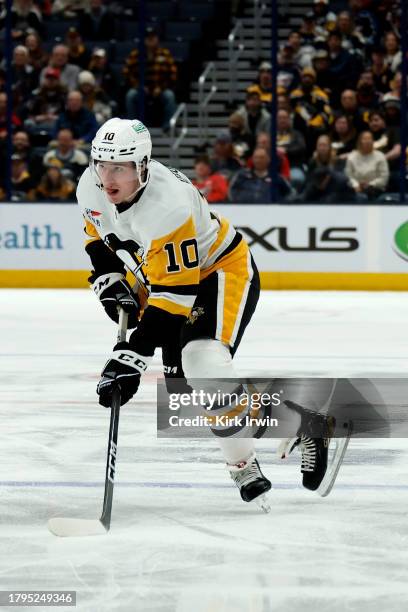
[[54, 186], [344, 68], [23, 75], [24, 16], [367, 96], [263, 141], [21, 180], [349, 107], [352, 39], [327, 186], [393, 57], [283, 101], [367, 169], [241, 141], [68, 72], [364, 20], [323, 156], [213, 186], [311, 106], [104, 75], [263, 84], [303, 51], [46, 103], [77, 51], [97, 22], [15, 119], [256, 118], [344, 137], [395, 91], [383, 139], [391, 107], [22, 147], [389, 13], [325, 19], [21, 144], [288, 73], [72, 159], [381, 72], [223, 159], [81, 121], [253, 186], [309, 30], [38, 57], [94, 98], [295, 41], [386, 140], [321, 65], [160, 80], [292, 142], [69, 8]]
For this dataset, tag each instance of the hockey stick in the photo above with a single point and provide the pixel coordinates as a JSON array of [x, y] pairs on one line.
[[69, 527]]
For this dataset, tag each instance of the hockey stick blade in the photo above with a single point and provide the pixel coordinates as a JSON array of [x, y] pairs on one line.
[[76, 527], [333, 469]]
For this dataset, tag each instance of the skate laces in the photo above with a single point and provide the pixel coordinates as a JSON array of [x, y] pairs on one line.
[[245, 472], [309, 452]]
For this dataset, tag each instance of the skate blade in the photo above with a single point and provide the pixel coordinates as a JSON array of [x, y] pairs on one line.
[[263, 503], [340, 447]]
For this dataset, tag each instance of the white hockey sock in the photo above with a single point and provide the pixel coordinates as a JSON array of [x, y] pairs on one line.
[[236, 450], [209, 358]]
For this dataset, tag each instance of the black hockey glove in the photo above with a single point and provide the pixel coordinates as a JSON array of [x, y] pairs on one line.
[[113, 290], [123, 370]]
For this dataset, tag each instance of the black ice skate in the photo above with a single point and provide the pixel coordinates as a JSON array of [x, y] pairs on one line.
[[314, 458], [252, 484], [313, 439]]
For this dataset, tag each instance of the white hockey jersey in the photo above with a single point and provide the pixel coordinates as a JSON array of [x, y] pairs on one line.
[[169, 231]]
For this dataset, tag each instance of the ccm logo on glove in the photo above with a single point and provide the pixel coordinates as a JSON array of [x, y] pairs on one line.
[[114, 291], [122, 371], [131, 359]]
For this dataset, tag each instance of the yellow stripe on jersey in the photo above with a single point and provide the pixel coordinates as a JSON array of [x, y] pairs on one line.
[[239, 253], [170, 306], [173, 269], [235, 287], [90, 230], [235, 273], [222, 233]]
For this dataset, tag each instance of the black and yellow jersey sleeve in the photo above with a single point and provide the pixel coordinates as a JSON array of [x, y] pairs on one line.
[[173, 270], [91, 233], [103, 259]]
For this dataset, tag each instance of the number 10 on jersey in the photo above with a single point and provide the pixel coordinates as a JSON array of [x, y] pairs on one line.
[[185, 253]]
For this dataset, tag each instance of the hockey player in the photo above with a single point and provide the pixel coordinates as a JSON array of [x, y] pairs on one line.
[[140, 213], [198, 283]]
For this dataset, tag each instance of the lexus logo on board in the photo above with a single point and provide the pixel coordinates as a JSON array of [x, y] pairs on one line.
[[278, 238]]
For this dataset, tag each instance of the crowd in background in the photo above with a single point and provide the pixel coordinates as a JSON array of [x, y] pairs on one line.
[[338, 114], [63, 91], [338, 105]]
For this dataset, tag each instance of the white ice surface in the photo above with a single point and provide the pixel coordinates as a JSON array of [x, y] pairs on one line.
[[181, 539]]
